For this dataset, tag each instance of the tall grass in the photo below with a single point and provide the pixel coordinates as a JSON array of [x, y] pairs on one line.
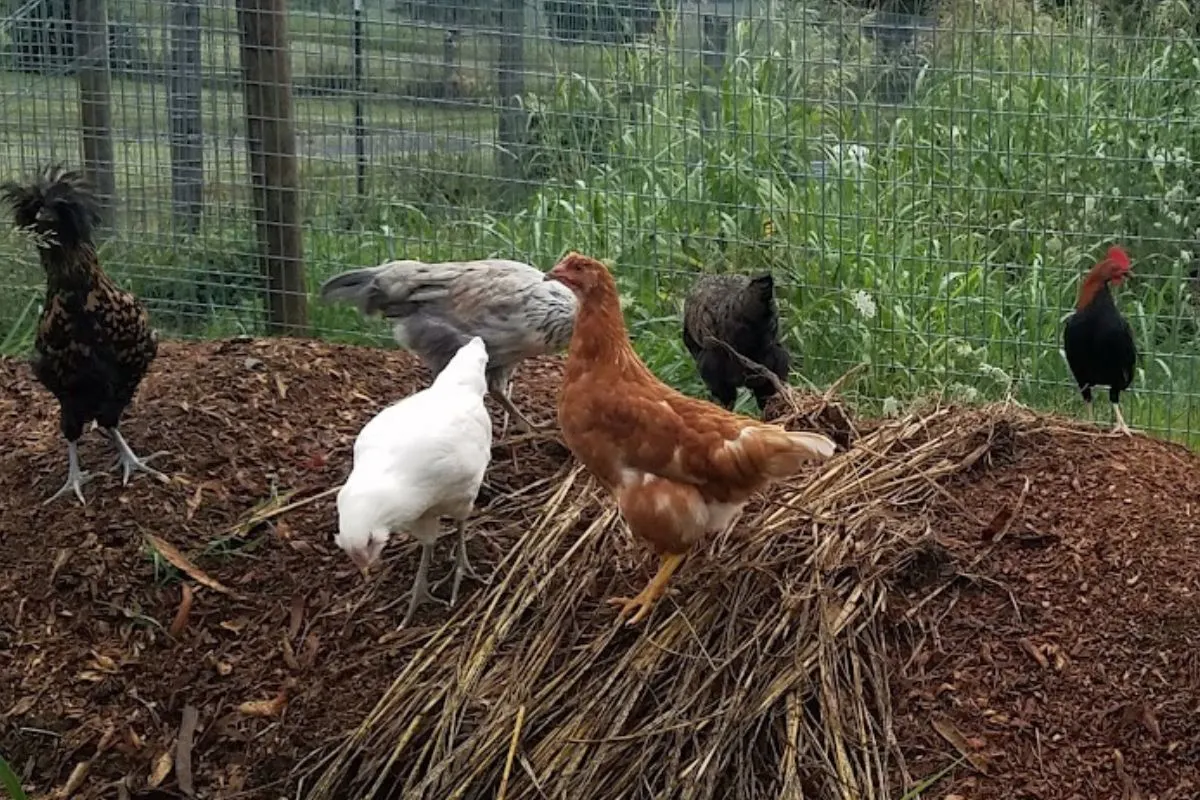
[[937, 230]]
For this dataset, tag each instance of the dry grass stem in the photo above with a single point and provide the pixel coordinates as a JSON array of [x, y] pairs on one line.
[[761, 675]]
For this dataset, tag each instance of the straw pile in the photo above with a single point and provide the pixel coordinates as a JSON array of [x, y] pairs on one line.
[[762, 676]]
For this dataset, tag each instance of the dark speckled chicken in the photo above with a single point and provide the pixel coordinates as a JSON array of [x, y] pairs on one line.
[[741, 312], [435, 309], [94, 342]]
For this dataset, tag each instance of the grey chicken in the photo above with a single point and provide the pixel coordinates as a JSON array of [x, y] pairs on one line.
[[741, 312], [436, 308]]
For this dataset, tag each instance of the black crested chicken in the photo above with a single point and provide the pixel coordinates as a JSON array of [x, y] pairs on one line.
[[741, 312], [94, 342], [1098, 340]]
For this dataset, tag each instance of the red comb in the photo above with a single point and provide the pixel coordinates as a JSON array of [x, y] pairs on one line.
[[1118, 257]]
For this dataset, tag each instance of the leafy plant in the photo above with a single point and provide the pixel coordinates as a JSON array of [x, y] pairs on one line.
[[10, 782]]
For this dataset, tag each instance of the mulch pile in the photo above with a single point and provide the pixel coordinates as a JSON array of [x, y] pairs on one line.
[[1067, 651], [1060, 658]]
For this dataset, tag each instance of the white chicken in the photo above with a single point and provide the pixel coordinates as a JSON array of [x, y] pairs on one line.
[[416, 461], [435, 308]]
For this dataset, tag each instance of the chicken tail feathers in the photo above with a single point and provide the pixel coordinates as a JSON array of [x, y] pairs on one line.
[[357, 286], [59, 204], [771, 452]]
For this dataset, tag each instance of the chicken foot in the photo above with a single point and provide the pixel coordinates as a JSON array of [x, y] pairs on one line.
[[76, 477], [130, 461], [511, 410], [1120, 427], [646, 598], [420, 588]]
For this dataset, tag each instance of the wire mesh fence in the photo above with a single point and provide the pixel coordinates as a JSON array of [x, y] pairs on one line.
[[927, 179]]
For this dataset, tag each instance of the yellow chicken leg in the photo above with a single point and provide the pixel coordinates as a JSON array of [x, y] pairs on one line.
[[648, 596]]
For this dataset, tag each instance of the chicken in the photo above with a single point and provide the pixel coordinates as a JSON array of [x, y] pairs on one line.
[[1097, 340], [679, 467], [94, 342], [435, 308], [741, 312], [416, 461]]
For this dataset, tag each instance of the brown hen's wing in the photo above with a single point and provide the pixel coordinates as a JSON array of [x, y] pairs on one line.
[[653, 429]]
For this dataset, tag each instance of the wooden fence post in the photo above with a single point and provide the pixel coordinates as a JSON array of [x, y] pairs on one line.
[[271, 144], [183, 102], [95, 103]]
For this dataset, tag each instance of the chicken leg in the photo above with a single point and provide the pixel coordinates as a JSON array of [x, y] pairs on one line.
[[76, 477], [509, 409], [1120, 427], [646, 598], [462, 566], [420, 588], [129, 460]]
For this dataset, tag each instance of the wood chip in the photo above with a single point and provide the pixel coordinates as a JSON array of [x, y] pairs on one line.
[[296, 618], [162, 768], [185, 609], [1034, 652], [951, 734], [265, 708], [183, 750]]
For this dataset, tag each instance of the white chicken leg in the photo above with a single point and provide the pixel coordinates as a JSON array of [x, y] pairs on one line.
[[130, 461], [462, 566], [76, 477], [420, 588]]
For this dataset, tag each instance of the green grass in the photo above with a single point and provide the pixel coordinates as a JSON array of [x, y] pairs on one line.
[[946, 256], [10, 782]]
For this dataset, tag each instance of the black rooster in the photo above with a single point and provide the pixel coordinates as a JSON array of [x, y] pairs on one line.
[[1097, 339], [741, 312], [94, 342]]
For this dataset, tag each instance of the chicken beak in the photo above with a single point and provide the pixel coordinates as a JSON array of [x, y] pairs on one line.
[[362, 561]]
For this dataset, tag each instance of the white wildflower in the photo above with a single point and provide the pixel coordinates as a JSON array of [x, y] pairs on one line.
[[1176, 194], [963, 350], [1157, 157], [995, 373], [386, 230], [1180, 156], [862, 301], [1089, 204], [891, 407], [1185, 256]]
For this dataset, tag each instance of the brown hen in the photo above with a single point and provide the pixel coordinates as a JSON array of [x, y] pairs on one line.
[[680, 468]]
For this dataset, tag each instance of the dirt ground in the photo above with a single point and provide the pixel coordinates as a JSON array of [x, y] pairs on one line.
[[1063, 660], [1067, 654], [89, 673]]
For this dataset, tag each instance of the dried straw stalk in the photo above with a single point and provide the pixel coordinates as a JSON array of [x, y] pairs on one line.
[[764, 676]]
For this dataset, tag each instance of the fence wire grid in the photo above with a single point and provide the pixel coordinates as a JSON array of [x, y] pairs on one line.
[[927, 179]]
